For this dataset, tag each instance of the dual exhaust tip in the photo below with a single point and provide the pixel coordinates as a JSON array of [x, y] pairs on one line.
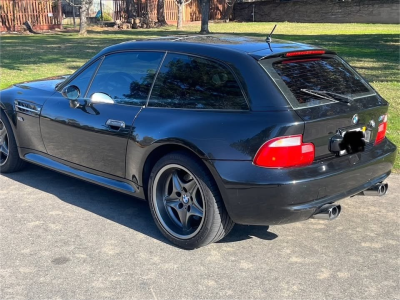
[[332, 211], [379, 189], [328, 212]]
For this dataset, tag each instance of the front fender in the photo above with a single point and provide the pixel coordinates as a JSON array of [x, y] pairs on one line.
[[25, 123], [7, 97]]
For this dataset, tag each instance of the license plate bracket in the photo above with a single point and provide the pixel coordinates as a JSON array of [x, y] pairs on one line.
[[349, 140]]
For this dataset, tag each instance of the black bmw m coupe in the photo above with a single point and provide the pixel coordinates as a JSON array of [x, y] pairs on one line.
[[210, 130]]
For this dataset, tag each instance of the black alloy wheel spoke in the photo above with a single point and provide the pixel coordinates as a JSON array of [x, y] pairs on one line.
[[190, 186], [172, 202], [176, 183], [4, 149], [184, 218]]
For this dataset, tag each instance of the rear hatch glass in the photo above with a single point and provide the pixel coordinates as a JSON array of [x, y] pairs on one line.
[[329, 96], [316, 81]]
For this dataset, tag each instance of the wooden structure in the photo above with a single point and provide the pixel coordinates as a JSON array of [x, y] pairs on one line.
[[42, 14], [191, 10], [46, 14]]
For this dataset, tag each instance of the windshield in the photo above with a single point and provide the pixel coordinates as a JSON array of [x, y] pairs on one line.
[[305, 80]]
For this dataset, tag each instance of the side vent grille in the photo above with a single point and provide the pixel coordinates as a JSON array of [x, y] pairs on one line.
[[27, 107]]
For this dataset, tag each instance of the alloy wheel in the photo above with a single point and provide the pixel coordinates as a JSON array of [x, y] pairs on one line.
[[4, 142], [178, 201]]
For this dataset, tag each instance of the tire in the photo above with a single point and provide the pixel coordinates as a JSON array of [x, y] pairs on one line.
[[185, 202], [9, 156]]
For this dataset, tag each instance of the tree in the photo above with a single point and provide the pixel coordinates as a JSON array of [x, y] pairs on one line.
[[205, 13], [84, 10], [130, 9], [229, 9], [181, 4], [161, 13]]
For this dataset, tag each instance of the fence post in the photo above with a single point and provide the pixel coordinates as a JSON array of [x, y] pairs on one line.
[[13, 14]]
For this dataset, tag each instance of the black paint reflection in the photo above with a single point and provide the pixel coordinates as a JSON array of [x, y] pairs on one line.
[[86, 107], [191, 82], [251, 145], [325, 74], [127, 77]]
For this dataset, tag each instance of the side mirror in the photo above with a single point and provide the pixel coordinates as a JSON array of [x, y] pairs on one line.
[[101, 98], [71, 92]]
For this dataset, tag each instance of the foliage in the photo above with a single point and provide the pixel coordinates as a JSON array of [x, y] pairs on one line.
[[106, 17], [373, 49]]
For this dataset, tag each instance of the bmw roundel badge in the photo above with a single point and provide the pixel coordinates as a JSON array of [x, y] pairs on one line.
[[355, 119]]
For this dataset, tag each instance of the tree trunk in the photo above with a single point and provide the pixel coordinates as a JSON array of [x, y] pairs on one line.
[[84, 12], [130, 9], [229, 10], [60, 14], [161, 13], [180, 15], [73, 15], [205, 13], [83, 18]]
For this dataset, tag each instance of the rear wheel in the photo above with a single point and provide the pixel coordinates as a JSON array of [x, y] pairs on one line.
[[9, 157], [185, 202]]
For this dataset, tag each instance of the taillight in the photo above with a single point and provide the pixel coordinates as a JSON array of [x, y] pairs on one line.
[[308, 52], [285, 152], [381, 129]]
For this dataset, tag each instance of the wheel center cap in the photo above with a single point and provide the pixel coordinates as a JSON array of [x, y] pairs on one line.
[[185, 199]]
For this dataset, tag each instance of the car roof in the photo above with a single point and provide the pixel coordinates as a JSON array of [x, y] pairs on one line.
[[241, 53], [256, 47]]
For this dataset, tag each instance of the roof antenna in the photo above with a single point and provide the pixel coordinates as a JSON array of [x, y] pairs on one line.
[[269, 38]]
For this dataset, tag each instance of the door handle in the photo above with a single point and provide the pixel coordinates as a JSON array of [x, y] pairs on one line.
[[115, 124]]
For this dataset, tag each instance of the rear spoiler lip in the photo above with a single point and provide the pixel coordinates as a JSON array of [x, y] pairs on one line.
[[282, 54]]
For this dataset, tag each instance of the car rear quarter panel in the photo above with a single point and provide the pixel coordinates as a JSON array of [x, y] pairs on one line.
[[211, 134]]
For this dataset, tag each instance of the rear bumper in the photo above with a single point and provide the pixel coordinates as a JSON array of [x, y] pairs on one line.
[[260, 196]]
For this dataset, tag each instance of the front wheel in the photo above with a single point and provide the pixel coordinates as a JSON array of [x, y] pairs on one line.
[[185, 202], [9, 157]]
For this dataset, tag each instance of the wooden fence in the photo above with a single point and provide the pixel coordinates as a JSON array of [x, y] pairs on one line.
[[42, 14], [45, 14], [191, 13]]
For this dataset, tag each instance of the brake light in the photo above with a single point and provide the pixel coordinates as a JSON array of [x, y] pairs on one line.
[[381, 129], [308, 52], [291, 61], [285, 152]]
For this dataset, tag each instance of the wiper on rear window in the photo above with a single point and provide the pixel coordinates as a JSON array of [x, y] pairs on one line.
[[326, 95]]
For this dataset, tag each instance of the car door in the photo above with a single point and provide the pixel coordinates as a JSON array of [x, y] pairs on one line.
[[92, 130]]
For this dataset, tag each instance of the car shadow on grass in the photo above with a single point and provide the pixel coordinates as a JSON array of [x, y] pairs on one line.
[[114, 206]]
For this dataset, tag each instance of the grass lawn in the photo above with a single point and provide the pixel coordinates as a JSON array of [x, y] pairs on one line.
[[373, 49]]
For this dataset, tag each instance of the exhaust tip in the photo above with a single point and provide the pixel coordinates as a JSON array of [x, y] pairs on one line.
[[328, 212], [335, 212], [380, 189]]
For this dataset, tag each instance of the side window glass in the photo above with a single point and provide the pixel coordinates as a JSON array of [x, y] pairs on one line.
[[127, 77], [82, 81], [196, 83]]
